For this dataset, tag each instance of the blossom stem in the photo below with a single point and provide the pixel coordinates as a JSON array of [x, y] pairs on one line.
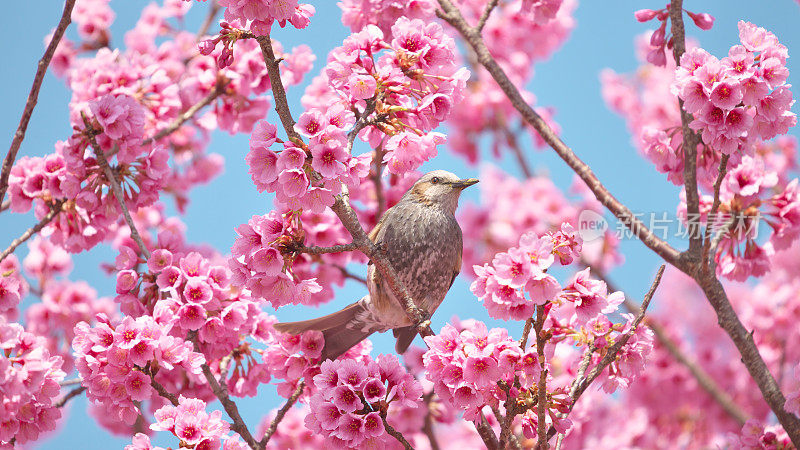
[[219, 89], [70, 395], [221, 393], [723, 168], [541, 387], [55, 209], [396, 434], [91, 132], [273, 426], [314, 250], [33, 96], [162, 391]]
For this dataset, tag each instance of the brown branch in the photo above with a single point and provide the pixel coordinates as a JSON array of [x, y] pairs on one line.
[[523, 342], [91, 132], [396, 434], [486, 13], [743, 340], [5, 205], [221, 392], [314, 250], [70, 382], [453, 16], [486, 433], [219, 89], [427, 428], [690, 140], [273, 426], [541, 386], [511, 139], [377, 169], [33, 96], [278, 91], [70, 395], [162, 391], [348, 274], [723, 169], [55, 209]]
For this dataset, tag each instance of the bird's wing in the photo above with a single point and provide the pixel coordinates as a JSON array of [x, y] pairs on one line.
[[373, 235], [456, 270]]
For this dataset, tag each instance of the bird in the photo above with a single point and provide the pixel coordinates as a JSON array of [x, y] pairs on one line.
[[423, 243]]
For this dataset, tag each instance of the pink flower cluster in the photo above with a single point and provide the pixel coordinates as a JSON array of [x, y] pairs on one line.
[[293, 357], [740, 98], [261, 14], [466, 366], [353, 399], [116, 361], [29, 378], [754, 436], [190, 423], [258, 264], [357, 14], [523, 270]]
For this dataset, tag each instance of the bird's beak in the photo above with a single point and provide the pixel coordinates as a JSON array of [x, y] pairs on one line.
[[465, 183]]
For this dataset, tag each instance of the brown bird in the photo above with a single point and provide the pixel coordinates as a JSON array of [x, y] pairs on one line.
[[423, 243]]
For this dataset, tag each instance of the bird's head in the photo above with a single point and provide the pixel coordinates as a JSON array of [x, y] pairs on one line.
[[440, 187]]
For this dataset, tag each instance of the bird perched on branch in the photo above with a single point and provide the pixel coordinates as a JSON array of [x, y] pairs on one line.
[[423, 243]]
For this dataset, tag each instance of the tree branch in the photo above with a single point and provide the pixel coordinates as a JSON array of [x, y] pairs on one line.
[[55, 209], [230, 407], [396, 434], [273, 426], [70, 395], [162, 391], [541, 386], [219, 89], [33, 96], [453, 16], [723, 169], [486, 13], [91, 132], [486, 433], [213, 10], [690, 140], [314, 250]]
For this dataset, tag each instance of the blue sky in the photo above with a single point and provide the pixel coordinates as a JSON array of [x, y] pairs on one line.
[[568, 82]]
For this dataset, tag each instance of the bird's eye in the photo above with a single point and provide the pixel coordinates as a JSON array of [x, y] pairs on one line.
[[435, 180]]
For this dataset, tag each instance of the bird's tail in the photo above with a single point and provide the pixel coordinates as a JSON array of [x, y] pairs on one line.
[[339, 337]]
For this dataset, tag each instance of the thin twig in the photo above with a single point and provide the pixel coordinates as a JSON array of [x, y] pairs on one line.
[[486, 12], [723, 169], [5, 205], [70, 382], [377, 170], [511, 139], [523, 342], [33, 96], [350, 275], [70, 395], [219, 89], [541, 386], [162, 391], [221, 392], [427, 428], [453, 16], [91, 132], [396, 434], [273, 426], [55, 209]]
